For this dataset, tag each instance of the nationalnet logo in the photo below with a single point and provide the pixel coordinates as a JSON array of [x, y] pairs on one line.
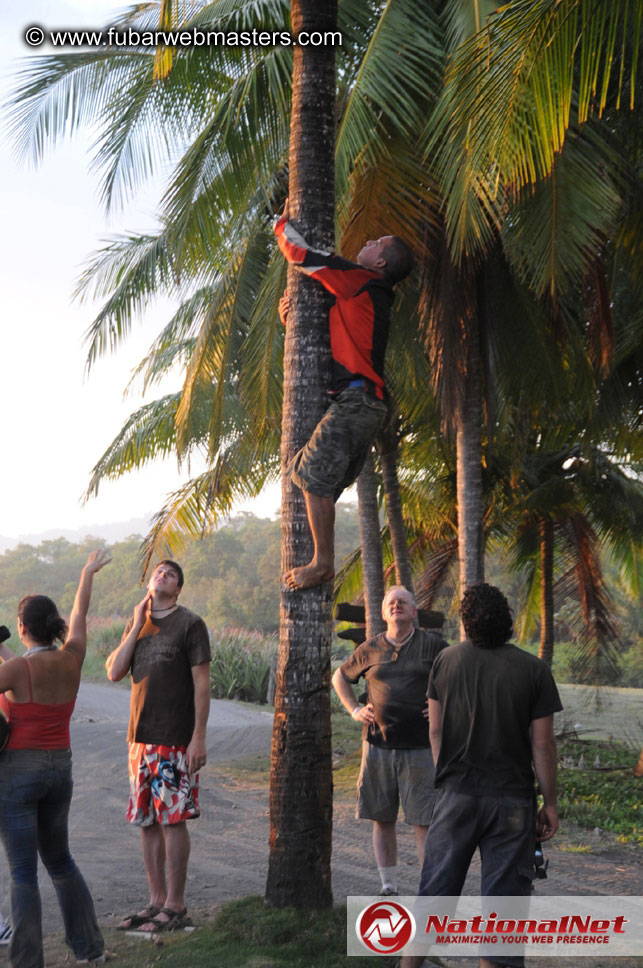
[[385, 927], [611, 926]]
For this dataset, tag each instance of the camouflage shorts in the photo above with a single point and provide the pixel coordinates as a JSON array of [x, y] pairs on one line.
[[335, 454]]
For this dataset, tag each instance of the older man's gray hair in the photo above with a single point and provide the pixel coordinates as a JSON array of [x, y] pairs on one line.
[[399, 588]]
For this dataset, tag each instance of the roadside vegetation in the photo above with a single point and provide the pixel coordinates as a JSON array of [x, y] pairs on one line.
[[241, 663], [232, 581], [602, 792]]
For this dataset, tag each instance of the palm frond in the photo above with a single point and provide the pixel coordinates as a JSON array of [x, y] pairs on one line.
[[174, 344], [238, 473], [148, 433], [596, 658], [555, 232], [512, 86], [222, 333], [260, 379], [129, 269], [388, 192], [397, 76]]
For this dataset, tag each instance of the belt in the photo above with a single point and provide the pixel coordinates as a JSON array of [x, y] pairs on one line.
[[370, 387]]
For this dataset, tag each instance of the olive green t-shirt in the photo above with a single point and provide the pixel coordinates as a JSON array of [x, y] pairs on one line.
[[398, 679], [162, 697]]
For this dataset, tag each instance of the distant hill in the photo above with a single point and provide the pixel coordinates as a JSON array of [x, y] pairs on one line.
[[116, 531]]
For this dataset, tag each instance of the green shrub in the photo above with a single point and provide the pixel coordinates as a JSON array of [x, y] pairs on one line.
[[240, 667], [632, 667], [608, 797], [104, 635], [566, 665]]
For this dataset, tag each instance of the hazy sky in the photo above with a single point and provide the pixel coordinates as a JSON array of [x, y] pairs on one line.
[[58, 421]]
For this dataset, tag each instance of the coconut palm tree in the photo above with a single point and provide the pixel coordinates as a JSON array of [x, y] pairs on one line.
[[389, 451], [515, 107], [301, 790], [225, 131], [370, 548], [561, 521]]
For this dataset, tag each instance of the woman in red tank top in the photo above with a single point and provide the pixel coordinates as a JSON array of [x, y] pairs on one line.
[[37, 696]]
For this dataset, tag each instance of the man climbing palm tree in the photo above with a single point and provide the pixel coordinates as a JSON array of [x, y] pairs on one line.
[[359, 321]]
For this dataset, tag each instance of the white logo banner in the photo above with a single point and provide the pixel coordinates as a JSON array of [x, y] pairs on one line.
[[600, 926]]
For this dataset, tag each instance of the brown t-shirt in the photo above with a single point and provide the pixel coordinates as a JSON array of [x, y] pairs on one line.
[[162, 698], [397, 680]]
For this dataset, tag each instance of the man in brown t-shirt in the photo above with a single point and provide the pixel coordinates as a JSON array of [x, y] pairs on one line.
[[166, 649], [397, 765]]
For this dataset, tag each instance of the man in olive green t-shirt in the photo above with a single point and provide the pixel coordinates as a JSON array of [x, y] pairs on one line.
[[397, 766]]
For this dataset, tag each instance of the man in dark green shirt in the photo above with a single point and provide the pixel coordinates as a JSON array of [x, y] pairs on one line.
[[491, 708]]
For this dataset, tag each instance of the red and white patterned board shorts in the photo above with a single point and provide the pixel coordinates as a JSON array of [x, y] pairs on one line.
[[161, 789]]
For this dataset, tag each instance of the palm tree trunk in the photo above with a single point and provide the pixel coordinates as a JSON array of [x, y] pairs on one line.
[[388, 457], [546, 651], [300, 766], [469, 469], [371, 543]]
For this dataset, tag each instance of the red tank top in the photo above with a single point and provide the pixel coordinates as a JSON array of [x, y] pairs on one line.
[[37, 725]]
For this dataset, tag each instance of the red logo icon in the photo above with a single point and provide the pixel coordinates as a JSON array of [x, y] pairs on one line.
[[385, 927]]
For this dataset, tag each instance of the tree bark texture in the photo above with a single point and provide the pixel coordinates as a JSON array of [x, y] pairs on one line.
[[469, 477], [469, 469], [388, 458], [371, 544], [300, 770], [546, 651]]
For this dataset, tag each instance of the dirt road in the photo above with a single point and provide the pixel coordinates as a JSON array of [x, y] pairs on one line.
[[106, 848], [230, 840]]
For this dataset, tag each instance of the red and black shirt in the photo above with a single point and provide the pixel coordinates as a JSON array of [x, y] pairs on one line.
[[360, 317]]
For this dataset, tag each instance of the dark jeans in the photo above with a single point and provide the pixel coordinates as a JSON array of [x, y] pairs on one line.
[[502, 827], [35, 793]]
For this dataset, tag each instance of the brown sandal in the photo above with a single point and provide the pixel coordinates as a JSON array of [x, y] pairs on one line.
[[136, 919], [175, 921]]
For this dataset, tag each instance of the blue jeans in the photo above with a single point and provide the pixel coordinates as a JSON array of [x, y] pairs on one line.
[[35, 793], [503, 828]]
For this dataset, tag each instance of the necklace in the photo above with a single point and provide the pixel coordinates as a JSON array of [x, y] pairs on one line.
[[169, 609], [40, 648], [398, 643]]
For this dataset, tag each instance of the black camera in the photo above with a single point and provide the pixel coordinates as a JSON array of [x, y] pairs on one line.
[[540, 864]]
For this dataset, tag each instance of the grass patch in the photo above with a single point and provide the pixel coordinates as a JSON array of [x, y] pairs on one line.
[[248, 934], [606, 798], [347, 751]]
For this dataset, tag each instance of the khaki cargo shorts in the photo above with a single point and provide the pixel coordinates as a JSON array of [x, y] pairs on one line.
[[334, 456], [390, 777]]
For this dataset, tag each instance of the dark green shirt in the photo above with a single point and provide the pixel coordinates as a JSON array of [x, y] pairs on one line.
[[489, 698], [397, 681]]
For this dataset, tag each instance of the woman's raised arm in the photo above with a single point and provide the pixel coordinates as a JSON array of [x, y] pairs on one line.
[[76, 641]]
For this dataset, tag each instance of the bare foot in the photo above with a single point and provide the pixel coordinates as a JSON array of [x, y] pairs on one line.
[[308, 575]]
